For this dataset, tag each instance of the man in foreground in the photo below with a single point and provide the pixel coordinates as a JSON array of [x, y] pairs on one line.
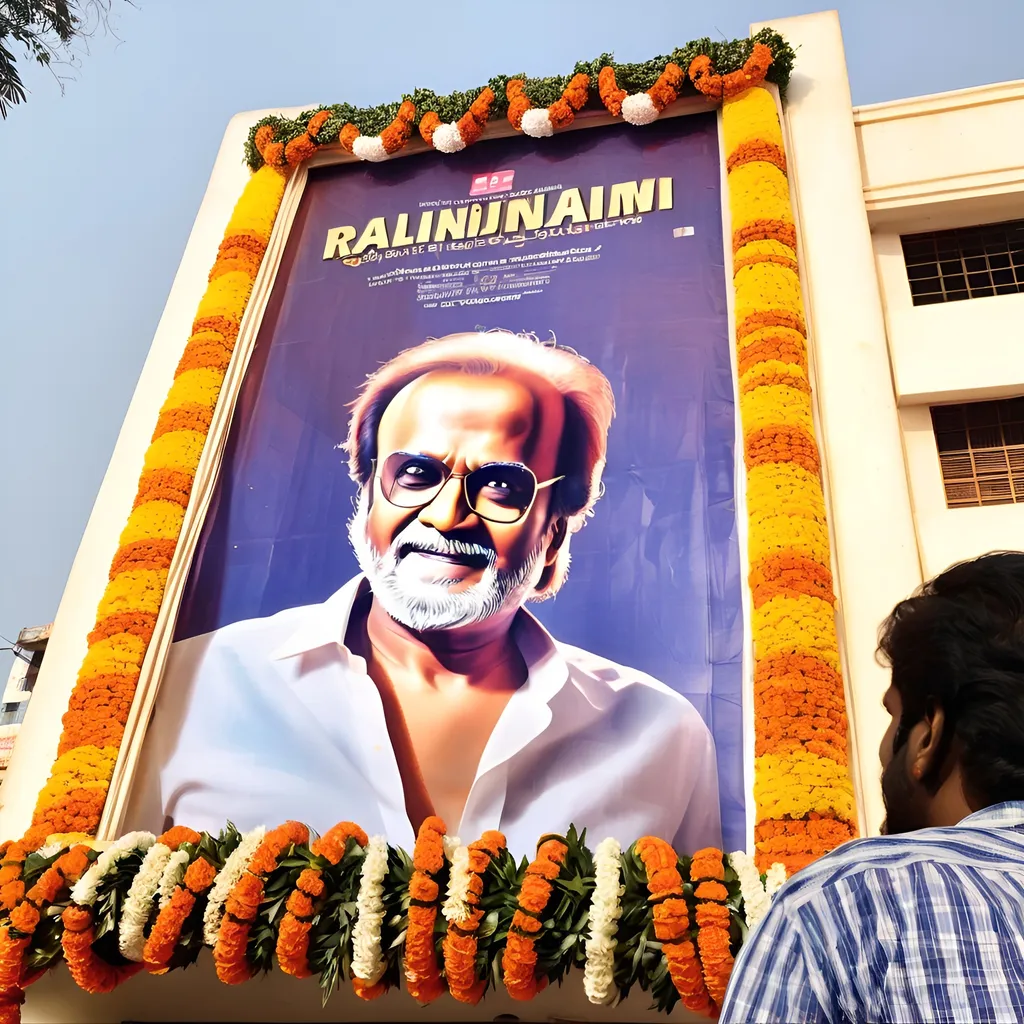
[[926, 925]]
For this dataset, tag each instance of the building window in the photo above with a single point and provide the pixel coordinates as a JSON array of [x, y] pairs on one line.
[[981, 451], [967, 263]]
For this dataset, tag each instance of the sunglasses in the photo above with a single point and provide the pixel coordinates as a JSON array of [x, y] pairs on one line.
[[500, 492]]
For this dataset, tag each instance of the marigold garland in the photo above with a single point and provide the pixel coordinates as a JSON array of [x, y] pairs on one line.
[[803, 791], [90, 971], [519, 960], [671, 919], [293, 938], [72, 799], [707, 873], [460, 942], [455, 136], [450, 123], [16, 935], [166, 930], [536, 915], [540, 122], [244, 901], [421, 970], [717, 87]]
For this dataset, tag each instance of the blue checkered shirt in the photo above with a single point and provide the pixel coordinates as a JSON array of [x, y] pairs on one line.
[[927, 926]]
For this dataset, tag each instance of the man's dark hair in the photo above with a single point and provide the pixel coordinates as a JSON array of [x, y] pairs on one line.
[[958, 644]]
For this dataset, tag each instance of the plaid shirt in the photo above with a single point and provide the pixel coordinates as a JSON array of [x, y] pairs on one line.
[[927, 926]]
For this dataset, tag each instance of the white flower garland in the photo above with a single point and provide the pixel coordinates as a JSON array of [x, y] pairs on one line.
[[536, 123], [367, 959], [138, 904], [755, 900], [447, 138], [227, 878], [456, 907], [757, 895], [775, 880], [605, 911], [639, 108], [173, 876], [370, 147], [84, 890]]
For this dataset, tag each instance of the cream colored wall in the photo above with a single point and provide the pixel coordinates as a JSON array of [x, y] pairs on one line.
[[933, 163], [942, 149]]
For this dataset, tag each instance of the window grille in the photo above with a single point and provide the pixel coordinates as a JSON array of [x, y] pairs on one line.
[[981, 451], [966, 263]]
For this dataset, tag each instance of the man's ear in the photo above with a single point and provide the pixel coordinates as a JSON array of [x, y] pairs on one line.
[[926, 746], [559, 531]]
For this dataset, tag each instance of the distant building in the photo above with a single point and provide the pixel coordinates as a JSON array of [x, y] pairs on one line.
[[28, 656]]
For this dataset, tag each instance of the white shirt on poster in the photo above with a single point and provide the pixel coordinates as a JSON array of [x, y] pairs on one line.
[[272, 719]]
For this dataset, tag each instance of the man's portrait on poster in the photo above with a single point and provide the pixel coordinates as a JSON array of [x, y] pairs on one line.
[[424, 684]]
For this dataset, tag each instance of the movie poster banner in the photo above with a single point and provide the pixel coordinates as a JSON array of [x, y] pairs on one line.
[[473, 549]]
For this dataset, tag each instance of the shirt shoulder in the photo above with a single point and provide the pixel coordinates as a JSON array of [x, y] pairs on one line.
[[247, 637], [598, 677], [866, 861]]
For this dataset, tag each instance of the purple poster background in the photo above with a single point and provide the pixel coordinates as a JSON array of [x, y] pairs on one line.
[[655, 579]]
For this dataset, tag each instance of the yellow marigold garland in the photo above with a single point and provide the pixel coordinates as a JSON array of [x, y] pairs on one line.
[[802, 789], [72, 799]]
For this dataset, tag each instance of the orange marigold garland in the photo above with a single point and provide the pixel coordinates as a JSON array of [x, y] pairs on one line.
[[707, 873], [717, 87], [609, 91], [242, 905], [540, 122], [671, 922], [518, 102], [454, 136], [12, 887], [640, 107], [519, 960], [393, 138], [464, 913], [303, 903], [17, 934], [422, 973], [164, 946], [89, 970]]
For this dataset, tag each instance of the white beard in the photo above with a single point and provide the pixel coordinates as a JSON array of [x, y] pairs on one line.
[[423, 605]]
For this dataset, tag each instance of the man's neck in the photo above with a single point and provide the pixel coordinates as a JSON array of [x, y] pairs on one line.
[[482, 654]]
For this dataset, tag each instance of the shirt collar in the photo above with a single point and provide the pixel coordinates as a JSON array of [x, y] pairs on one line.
[[322, 624], [327, 623], [1011, 812]]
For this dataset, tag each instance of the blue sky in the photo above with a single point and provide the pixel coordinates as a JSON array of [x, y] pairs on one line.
[[101, 185]]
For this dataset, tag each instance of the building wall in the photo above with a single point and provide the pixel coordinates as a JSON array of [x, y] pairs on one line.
[[934, 163]]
